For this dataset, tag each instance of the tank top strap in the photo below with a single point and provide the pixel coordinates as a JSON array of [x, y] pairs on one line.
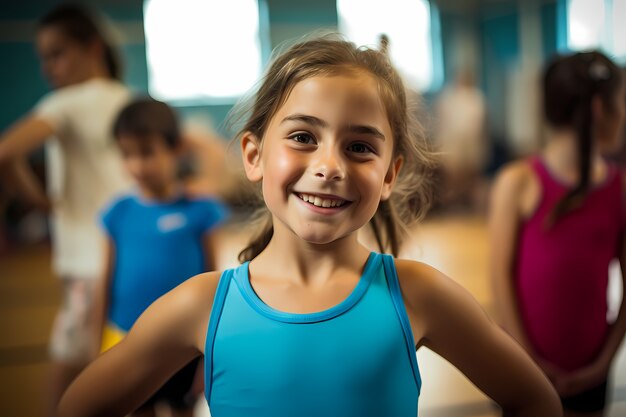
[[398, 303], [216, 312], [543, 173]]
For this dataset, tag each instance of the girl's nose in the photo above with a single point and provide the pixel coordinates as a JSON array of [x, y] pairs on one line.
[[329, 165]]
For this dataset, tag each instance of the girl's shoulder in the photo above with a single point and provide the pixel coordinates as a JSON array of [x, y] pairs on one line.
[[422, 285], [434, 301], [517, 174], [188, 307], [197, 291], [518, 187], [418, 279]]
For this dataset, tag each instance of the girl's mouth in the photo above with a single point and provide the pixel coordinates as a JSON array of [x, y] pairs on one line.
[[322, 202]]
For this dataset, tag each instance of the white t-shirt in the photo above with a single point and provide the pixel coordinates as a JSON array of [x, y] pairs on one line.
[[84, 170]]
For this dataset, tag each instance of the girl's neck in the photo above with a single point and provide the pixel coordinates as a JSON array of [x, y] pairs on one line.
[[561, 155], [104, 75], [290, 257], [96, 71]]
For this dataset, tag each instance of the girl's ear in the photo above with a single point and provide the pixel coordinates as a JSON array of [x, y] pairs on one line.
[[251, 154], [391, 177]]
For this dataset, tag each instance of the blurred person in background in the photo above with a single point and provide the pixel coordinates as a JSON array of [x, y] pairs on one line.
[[557, 219], [157, 237], [460, 135], [84, 169]]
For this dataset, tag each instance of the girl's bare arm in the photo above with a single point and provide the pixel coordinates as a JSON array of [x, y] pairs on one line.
[[504, 220], [453, 325], [169, 334]]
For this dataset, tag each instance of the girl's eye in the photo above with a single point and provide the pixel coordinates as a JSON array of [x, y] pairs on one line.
[[359, 148], [303, 138]]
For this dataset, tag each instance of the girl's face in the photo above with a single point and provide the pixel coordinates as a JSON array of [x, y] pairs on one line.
[[325, 161], [64, 61]]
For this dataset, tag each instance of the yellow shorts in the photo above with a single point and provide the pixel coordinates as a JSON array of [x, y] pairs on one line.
[[111, 336]]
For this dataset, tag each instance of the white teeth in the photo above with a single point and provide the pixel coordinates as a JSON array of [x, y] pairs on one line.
[[321, 202]]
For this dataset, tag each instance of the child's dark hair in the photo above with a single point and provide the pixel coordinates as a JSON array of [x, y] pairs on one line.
[[80, 25], [146, 117], [569, 84], [332, 55]]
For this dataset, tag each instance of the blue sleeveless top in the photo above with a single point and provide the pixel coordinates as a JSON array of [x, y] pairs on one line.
[[354, 359]]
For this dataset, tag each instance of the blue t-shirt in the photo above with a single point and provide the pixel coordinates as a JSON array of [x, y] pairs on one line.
[[158, 245]]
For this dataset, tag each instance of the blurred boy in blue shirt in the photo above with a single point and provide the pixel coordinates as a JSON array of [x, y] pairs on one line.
[[157, 236]]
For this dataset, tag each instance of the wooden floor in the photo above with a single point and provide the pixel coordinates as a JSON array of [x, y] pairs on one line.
[[455, 245]]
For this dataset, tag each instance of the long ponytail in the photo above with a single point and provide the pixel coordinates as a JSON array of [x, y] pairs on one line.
[[571, 83], [576, 195]]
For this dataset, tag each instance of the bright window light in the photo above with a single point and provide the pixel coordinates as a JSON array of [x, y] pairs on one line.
[[196, 53], [408, 29], [585, 20], [619, 29], [597, 24]]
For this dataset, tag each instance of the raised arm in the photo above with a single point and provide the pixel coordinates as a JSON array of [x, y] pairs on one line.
[[169, 334], [452, 324], [505, 210], [15, 145]]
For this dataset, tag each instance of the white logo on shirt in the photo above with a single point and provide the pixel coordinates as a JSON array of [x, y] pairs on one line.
[[171, 222]]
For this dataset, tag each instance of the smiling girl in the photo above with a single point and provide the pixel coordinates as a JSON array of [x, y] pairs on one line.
[[313, 323]]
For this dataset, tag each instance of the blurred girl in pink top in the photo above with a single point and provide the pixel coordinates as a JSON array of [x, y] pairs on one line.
[[556, 222]]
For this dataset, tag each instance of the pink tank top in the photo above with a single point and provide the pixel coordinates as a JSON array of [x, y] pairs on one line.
[[562, 271]]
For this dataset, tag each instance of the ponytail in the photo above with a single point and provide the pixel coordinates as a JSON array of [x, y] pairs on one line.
[[385, 226], [576, 195], [570, 84], [260, 241]]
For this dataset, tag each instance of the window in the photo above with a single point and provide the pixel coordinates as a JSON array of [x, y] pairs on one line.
[[597, 24], [202, 52], [413, 41]]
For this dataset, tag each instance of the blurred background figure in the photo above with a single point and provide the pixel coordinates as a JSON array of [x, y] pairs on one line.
[[460, 135], [557, 221], [157, 237], [84, 169]]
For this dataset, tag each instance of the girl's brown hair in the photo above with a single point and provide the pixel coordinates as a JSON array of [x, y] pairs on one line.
[[331, 55], [570, 83]]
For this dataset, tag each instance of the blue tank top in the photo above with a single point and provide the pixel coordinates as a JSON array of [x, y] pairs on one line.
[[354, 359]]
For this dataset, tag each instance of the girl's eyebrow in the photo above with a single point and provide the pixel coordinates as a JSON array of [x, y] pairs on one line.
[[314, 121]]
